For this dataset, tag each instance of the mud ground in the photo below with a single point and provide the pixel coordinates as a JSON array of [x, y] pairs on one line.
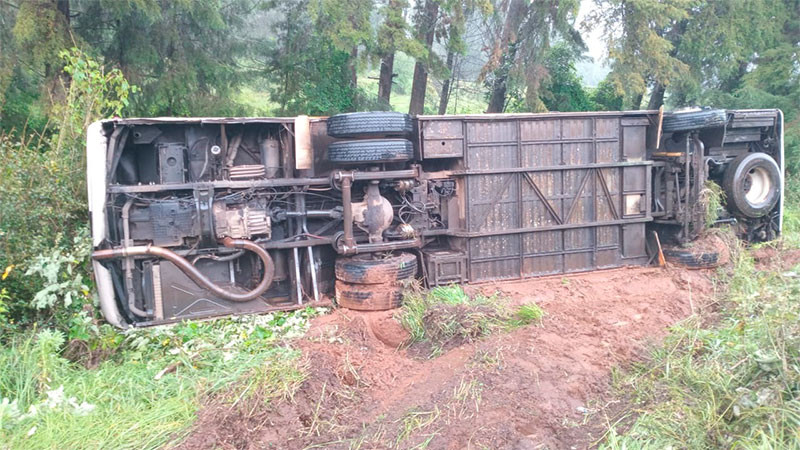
[[541, 386]]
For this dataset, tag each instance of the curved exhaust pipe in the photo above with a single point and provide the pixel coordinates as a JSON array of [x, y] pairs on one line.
[[191, 271]]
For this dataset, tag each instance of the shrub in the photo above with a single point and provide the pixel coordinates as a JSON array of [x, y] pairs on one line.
[[43, 205], [731, 384], [446, 316]]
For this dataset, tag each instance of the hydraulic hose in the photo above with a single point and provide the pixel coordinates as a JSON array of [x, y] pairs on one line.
[[186, 267]]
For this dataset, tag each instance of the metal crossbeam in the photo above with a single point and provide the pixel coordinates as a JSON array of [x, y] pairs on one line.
[[541, 196]]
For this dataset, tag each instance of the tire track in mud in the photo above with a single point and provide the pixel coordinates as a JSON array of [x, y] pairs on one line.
[[535, 387]]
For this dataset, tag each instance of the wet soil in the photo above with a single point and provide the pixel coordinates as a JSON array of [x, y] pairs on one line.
[[540, 386], [775, 257]]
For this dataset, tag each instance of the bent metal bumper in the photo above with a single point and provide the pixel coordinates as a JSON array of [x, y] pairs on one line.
[[96, 176]]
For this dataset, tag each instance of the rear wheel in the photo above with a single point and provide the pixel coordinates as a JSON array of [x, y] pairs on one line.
[[752, 184], [369, 124], [371, 269], [369, 297], [370, 151], [371, 282]]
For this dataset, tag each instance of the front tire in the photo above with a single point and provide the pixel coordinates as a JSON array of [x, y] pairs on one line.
[[752, 184]]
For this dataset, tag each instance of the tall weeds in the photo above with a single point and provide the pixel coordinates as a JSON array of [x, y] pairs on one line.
[[43, 201], [733, 384]]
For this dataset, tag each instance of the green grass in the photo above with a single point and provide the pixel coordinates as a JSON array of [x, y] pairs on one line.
[[447, 314], [732, 384], [713, 198], [470, 97], [256, 101], [148, 394], [791, 214]]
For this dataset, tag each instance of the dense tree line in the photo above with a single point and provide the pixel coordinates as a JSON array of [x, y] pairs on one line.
[[328, 56]]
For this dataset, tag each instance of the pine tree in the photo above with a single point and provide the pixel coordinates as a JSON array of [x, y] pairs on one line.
[[521, 34], [426, 19], [346, 25], [184, 55], [393, 35]]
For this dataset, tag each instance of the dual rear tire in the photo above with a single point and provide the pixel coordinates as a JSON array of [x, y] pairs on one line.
[[370, 282], [380, 137]]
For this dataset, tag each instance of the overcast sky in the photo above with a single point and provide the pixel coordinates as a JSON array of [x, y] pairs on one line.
[[592, 71]]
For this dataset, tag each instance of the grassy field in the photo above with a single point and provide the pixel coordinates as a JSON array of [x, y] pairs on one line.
[[257, 101], [469, 98], [729, 378], [146, 394]]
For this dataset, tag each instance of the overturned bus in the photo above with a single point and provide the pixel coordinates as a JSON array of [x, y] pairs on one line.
[[203, 217]]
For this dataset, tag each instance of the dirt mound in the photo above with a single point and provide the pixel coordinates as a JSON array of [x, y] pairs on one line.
[[254, 423], [450, 326], [775, 257], [385, 327], [531, 388]]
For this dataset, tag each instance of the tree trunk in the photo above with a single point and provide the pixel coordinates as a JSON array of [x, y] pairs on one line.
[[53, 68], [58, 80], [497, 102], [444, 97], [63, 8], [354, 67], [637, 101], [393, 26], [425, 31], [733, 82], [418, 85], [516, 14], [657, 96], [385, 79]]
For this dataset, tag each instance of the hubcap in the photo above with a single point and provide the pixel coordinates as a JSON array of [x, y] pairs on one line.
[[757, 186]]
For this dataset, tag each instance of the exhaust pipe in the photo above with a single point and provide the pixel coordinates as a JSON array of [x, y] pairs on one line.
[[186, 267]]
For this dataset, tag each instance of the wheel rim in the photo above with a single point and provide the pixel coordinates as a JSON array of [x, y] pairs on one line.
[[757, 186]]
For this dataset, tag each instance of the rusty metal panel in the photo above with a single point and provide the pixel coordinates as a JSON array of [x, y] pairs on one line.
[[633, 148], [492, 145], [555, 194], [633, 240], [543, 252], [493, 202], [442, 139], [494, 257]]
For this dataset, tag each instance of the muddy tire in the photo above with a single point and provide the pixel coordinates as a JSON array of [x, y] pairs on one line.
[[690, 259], [752, 184], [370, 151], [694, 120], [369, 297], [369, 124], [367, 269]]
